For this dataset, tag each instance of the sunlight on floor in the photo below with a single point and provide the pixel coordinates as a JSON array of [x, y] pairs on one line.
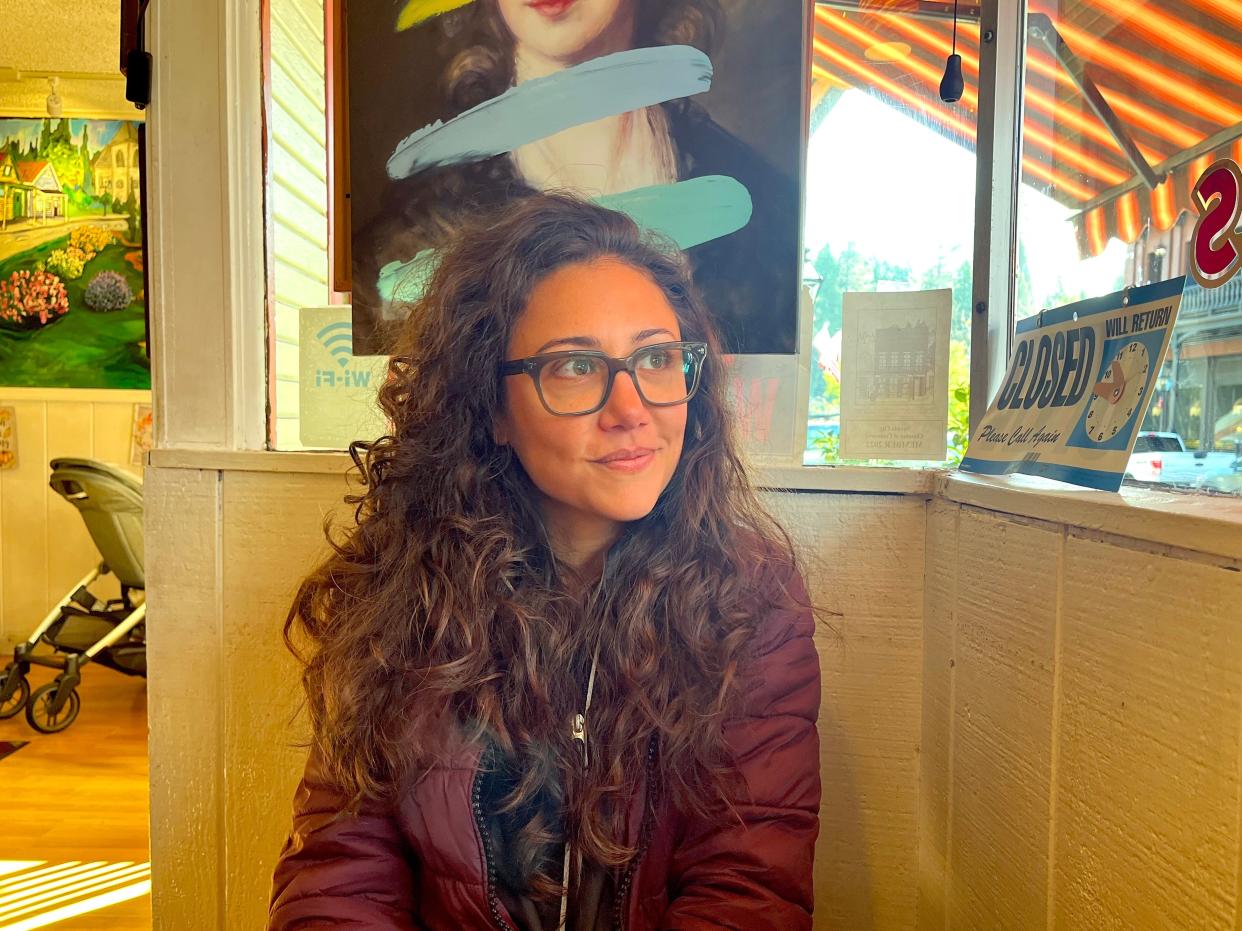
[[34, 894]]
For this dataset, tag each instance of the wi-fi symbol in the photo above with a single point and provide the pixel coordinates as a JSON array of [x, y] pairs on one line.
[[338, 339]]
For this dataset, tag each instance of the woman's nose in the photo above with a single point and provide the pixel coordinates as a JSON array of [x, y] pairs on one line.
[[625, 405]]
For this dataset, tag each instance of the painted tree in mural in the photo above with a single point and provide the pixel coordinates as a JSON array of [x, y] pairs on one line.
[[131, 212]]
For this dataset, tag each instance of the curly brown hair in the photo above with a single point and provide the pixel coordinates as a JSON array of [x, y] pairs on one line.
[[443, 614]]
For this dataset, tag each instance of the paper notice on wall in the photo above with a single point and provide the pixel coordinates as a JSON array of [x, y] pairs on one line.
[[336, 390], [8, 438], [895, 374], [1078, 387], [140, 434]]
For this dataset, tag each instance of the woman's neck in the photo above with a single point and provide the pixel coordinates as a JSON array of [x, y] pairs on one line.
[[580, 545]]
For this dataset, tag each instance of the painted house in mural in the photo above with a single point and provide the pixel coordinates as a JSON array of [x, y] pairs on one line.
[[8, 189], [115, 168], [29, 190]]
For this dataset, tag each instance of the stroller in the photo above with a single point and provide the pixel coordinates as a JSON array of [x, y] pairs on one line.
[[82, 628]]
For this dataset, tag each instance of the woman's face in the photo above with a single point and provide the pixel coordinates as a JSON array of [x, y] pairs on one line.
[[569, 31], [607, 305]]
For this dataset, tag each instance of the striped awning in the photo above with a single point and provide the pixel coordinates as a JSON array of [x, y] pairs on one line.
[[1172, 81]]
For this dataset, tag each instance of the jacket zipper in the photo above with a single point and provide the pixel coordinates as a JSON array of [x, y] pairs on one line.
[[644, 840], [476, 803]]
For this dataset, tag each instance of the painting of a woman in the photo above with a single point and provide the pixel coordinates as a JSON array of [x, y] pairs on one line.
[[474, 54]]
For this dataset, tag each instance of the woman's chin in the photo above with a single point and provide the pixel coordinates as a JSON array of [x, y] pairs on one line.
[[628, 510]]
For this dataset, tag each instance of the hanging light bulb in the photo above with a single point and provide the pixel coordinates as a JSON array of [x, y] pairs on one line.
[[952, 85]]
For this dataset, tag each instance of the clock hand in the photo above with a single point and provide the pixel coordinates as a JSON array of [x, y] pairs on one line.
[[1113, 386]]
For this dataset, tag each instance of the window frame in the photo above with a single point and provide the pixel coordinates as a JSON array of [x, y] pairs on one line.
[[998, 165]]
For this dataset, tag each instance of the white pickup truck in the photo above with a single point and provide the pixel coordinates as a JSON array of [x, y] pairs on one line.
[[1163, 458]]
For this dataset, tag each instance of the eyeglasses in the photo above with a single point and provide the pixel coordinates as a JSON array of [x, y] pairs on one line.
[[579, 381]]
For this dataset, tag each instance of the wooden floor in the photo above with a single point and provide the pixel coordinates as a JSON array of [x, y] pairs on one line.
[[80, 795]]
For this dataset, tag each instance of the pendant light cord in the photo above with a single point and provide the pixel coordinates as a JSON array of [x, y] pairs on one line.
[[954, 27]]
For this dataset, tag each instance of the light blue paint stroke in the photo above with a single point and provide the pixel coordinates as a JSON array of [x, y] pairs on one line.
[[405, 282], [688, 213], [542, 107]]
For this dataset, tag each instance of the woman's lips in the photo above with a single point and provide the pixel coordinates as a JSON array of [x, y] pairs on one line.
[[636, 464], [551, 8]]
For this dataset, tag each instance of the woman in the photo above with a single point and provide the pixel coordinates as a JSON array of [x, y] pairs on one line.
[[564, 650], [750, 277]]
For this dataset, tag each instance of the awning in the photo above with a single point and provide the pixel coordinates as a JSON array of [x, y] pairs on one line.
[[1171, 85]]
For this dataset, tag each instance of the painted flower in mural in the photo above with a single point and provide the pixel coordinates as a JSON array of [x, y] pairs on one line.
[[32, 298], [67, 263], [91, 239], [108, 291]]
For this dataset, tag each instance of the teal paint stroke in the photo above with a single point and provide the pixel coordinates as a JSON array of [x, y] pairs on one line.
[[542, 107], [687, 213], [405, 282]]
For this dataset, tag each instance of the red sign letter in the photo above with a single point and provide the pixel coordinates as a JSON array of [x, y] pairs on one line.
[[1216, 243]]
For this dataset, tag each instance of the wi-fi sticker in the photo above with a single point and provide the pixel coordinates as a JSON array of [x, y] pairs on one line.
[[338, 339]]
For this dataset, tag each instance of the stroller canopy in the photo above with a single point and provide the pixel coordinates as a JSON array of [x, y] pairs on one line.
[[110, 501]]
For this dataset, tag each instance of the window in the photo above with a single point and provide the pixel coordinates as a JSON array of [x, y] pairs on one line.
[[890, 193], [1157, 443], [1105, 200]]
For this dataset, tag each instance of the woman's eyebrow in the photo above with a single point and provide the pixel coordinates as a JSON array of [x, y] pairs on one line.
[[590, 342], [585, 342]]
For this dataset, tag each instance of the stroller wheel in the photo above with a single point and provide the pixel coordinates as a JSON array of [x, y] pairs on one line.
[[18, 699], [39, 710]]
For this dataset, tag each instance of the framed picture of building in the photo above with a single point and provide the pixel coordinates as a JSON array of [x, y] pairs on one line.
[[895, 375], [72, 293]]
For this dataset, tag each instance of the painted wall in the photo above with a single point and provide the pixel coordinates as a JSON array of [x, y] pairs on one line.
[[44, 546], [1080, 737]]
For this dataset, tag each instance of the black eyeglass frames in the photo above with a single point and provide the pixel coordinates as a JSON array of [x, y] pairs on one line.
[[579, 381]]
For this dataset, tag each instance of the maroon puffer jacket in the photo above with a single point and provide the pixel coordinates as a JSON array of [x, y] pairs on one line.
[[422, 864]]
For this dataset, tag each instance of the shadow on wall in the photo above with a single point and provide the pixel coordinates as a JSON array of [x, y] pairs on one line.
[[842, 837]]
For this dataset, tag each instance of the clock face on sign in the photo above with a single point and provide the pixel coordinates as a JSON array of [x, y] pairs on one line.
[[1119, 393]]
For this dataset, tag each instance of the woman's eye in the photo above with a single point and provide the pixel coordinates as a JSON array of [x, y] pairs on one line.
[[576, 367], [656, 360]]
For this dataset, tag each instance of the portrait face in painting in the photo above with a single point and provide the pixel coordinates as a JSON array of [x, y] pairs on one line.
[[567, 32]]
